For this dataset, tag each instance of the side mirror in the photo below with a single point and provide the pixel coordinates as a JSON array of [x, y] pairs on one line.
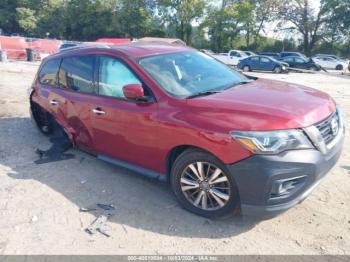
[[133, 91]]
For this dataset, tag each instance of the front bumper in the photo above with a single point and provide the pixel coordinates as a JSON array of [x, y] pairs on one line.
[[256, 177]]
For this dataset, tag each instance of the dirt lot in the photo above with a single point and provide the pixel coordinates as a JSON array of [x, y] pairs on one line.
[[39, 204]]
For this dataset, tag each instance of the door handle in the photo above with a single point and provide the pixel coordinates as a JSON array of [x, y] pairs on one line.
[[98, 111], [54, 102]]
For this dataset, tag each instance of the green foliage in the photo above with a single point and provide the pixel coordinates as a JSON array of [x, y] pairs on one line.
[[26, 19], [133, 17], [179, 15], [216, 24], [8, 19]]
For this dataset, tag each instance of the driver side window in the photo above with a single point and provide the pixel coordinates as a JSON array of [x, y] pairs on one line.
[[299, 60], [113, 76], [289, 59]]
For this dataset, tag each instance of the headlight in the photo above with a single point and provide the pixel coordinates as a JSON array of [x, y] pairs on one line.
[[284, 67], [272, 142]]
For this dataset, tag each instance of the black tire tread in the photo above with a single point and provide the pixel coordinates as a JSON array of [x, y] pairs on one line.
[[191, 155]]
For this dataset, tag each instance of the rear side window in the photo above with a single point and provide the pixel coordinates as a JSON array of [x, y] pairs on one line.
[[264, 60], [48, 72], [113, 76], [76, 73]]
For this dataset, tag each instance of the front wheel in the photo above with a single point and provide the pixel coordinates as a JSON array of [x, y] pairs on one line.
[[313, 68], [203, 185], [277, 70]]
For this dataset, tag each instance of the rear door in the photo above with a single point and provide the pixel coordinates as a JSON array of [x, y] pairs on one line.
[[329, 63], [47, 86], [123, 129], [254, 63], [76, 94]]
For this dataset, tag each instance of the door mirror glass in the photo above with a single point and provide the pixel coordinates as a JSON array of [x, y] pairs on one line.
[[133, 91]]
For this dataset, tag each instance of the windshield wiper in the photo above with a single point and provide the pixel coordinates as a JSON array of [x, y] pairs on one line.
[[238, 83], [210, 92], [205, 93]]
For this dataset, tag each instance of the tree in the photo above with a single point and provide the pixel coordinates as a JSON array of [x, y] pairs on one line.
[[307, 20], [88, 20], [8, 19], [180, 14], [264, 11], [52, 18], [26, 19], [337, 23], [226, 22], [134, 17]]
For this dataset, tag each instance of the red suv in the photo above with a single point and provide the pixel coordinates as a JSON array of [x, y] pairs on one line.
[[223, 140]]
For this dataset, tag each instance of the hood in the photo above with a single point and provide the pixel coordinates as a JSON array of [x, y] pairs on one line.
[[284, 63], [262, 105]]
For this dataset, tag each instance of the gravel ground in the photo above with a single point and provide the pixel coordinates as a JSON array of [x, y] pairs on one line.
[[39, 204]]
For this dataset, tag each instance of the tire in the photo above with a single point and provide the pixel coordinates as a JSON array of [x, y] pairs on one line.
[[339, 67], [277, 70], [42, 119], [313, 68], [246, 68], [182, 175]]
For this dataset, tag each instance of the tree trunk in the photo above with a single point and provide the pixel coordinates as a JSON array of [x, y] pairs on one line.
[[247, 37], [307, 43]]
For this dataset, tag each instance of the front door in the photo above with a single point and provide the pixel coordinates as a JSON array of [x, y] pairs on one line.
[[265, 64], [124, 130], [300, 63]]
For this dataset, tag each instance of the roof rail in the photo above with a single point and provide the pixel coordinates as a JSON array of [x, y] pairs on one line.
[[82, 46]]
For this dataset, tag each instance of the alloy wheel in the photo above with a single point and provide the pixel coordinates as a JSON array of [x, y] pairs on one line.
[[205, 186], [277, 69], [246, 68]]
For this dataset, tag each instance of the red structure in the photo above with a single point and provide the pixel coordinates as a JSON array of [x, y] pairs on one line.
[[114, 41], [14, 46]]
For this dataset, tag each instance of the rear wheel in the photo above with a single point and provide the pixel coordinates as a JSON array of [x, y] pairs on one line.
[[203, 185], [42, 119], [339, 67], [246, 68]]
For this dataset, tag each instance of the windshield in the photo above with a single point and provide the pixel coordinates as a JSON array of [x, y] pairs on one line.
[[185, 74]]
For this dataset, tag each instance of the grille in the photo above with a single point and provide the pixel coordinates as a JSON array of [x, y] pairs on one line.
[[325, 128]]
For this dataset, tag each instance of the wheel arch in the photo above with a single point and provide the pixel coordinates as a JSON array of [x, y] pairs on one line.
[[175, 152], [34, 106]]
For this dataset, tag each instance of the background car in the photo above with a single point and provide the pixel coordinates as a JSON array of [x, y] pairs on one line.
[[335, 57], [301, 63], [249, 53], [231, 58], [207, 51], [271, 54], [68, 45], [330, 63], [262, 63], [286, 54]]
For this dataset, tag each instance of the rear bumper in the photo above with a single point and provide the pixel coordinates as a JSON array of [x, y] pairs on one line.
[[257, 176]]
